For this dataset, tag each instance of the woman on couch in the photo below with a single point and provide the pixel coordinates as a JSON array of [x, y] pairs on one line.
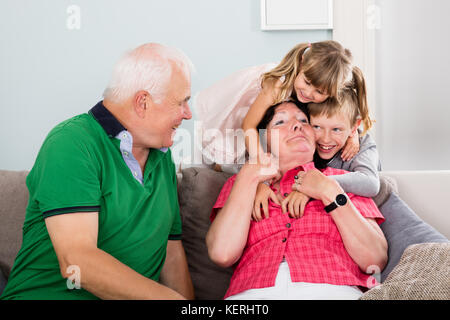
[[323, 255]]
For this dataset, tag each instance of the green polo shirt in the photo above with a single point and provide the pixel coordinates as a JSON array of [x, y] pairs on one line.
[[80, 168]]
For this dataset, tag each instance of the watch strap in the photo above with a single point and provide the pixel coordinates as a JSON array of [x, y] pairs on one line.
[[331, 207]]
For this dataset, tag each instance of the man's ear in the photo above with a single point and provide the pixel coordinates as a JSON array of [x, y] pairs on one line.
[[142, 101], [355, 127]]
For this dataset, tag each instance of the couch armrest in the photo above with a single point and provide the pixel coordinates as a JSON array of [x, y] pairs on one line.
[[428, 194]]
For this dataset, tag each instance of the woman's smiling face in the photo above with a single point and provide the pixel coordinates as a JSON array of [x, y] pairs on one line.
[[295, 135]]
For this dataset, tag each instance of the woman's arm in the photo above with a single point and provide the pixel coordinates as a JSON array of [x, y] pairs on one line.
[[362, 237], [227, 236]]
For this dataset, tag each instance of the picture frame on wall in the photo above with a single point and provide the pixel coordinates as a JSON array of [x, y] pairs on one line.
[[296, 14]]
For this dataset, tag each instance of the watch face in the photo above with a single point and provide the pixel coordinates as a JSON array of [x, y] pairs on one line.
[[341, 199]]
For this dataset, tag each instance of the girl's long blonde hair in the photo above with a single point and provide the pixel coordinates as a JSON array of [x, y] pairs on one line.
[[327, 65]]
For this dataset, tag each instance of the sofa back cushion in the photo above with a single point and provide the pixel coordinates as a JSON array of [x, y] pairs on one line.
[[13, 203], [197, 193]]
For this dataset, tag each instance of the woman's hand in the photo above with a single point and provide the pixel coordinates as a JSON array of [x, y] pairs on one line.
[[351, 147], [263, 193], [316, 185], [265, 168], [295, 204]]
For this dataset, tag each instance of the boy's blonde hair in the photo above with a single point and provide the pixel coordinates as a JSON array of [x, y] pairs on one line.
[[347, 103], [328, 66]]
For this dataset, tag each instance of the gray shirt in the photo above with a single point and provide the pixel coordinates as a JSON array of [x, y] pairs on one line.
[[363, 179]]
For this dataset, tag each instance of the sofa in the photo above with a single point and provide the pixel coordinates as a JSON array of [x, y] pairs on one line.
[[417, 228]]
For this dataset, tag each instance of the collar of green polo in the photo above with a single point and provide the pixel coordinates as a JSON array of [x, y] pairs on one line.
[[106, 119]]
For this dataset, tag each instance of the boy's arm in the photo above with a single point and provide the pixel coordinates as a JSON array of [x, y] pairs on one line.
[[363, 180]]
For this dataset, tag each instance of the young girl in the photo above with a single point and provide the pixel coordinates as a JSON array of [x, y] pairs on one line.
[[310, 72], [334, 121]]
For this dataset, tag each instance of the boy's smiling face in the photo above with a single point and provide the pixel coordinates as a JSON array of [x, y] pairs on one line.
[[331, 133]]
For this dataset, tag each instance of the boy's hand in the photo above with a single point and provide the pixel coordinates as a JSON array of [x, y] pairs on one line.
[[351, 147], [295, 204], [263, 193]]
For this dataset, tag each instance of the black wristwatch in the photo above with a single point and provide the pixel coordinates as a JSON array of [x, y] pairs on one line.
[[341, 200]]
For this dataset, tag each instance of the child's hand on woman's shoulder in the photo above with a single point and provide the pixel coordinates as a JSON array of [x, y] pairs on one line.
[[351, 147]]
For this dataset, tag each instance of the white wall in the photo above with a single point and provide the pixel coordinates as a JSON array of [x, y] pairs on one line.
[[412, 84], [49, 73]]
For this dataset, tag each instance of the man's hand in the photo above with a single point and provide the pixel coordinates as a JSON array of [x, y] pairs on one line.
[[295, 204], [263, 194]]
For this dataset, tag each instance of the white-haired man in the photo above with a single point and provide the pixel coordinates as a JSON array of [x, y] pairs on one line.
[[103, 217]]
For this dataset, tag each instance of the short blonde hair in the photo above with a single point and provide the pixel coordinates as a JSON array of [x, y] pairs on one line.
[[348, 103]]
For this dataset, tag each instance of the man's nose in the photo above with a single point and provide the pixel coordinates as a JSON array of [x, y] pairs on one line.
[[187, 114]]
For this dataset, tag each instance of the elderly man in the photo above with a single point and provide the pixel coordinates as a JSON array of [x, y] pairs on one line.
[[103, 209]]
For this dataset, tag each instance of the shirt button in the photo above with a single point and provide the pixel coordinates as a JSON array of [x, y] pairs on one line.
[[288, 225], [124, 135], [284, 240], [125, 154], [135, 173]]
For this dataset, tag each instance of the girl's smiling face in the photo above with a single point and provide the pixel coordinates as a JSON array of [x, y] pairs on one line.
[[306, 92], [331, 133]]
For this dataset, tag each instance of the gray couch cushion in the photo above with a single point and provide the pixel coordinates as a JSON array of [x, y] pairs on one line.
[[14, 200], [388, 185], [2, 282], [197, 194], [403, 228]]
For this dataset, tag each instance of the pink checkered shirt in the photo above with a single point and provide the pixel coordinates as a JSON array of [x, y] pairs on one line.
[[311, 245]]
